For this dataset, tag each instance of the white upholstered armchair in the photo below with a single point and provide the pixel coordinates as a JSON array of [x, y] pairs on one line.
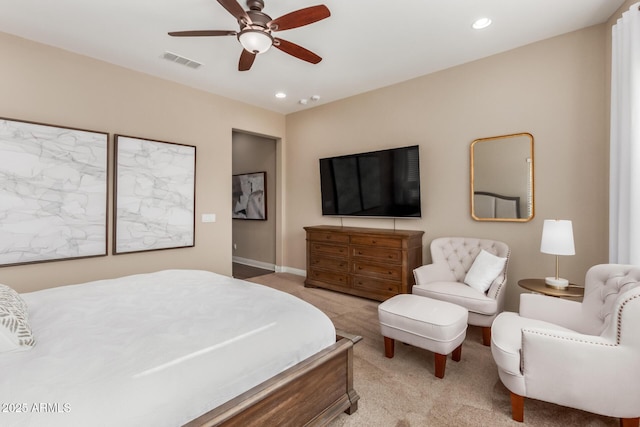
[[452, 262], [581, 355]]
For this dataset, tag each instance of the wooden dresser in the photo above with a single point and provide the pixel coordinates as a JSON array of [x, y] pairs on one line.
[[369, 262]]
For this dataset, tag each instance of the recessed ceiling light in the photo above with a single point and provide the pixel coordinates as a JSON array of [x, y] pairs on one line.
[[281, 95], [481, 23]]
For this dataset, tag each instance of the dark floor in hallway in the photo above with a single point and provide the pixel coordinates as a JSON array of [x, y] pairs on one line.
[[242, 271]]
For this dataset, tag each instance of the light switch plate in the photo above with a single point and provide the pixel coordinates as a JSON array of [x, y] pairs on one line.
[[208, 217]]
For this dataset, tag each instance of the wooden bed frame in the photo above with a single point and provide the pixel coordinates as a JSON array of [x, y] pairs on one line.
[[311, 393]]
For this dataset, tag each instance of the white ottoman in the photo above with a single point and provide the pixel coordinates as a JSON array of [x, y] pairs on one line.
[[437, 326]]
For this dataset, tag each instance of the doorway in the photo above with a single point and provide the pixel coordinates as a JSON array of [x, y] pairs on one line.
[[254, 240]]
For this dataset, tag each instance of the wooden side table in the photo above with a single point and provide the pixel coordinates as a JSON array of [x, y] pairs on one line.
[[538, 286]]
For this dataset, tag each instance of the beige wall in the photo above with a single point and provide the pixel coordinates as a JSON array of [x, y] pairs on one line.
[[255, 241], [554, 89], [48, 85]]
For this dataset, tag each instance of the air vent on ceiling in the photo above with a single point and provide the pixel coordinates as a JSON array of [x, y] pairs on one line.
[[170, 56]]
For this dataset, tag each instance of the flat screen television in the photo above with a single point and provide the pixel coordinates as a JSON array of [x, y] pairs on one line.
[[383, 183]]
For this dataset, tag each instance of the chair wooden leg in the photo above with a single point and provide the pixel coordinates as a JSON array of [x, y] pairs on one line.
[[440, 364], [486, 335], [517, 407], [457, 353], [389, 347], [629, 422]]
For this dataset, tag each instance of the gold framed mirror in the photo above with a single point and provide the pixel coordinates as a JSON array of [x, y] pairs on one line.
[[502, 178]]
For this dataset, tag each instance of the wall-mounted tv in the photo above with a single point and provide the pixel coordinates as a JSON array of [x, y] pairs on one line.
[[383, 183]]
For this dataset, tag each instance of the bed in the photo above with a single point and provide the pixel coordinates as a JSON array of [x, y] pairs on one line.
[[175, 347]]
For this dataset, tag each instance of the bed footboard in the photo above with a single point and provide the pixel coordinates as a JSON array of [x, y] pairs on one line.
[[311, 393]]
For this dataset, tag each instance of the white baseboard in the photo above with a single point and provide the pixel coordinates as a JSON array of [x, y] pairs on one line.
[[254, 263], [268, 266], [292, 270]]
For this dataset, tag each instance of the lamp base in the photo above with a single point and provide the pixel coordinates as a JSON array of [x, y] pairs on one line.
[[556, 283]]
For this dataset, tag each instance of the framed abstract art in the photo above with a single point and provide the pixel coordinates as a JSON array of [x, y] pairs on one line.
[[154, 206], [249, 196], [53, 192]]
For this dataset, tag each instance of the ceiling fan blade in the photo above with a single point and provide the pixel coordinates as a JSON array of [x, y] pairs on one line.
[[301, 17], [202, 33], [234, 8], [297, 51], [246, 60]]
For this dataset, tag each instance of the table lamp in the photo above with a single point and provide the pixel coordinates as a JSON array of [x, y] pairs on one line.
[[557, 239]]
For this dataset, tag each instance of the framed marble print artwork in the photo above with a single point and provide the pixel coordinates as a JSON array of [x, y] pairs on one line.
[[53, 192], [154, 206]]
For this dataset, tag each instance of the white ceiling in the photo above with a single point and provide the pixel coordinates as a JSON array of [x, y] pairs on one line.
[[365, 44]]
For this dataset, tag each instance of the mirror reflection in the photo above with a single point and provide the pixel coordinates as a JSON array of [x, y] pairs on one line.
[[502, 178]]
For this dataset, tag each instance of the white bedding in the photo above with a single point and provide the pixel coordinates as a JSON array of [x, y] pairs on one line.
[[155, 349]]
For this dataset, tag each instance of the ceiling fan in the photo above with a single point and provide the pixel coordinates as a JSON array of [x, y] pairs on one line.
[[256, 28]]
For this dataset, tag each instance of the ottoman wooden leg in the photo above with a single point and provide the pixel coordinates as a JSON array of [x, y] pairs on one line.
[[457, 353], [440, 364], [486, 335], [389, 347]]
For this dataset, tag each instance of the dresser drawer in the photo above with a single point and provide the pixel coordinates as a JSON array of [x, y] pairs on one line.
[[381, 271], [379, 286], [321, 236], [367, 262], [387, 242], [328, 249], [329, 277], [382, 254], [329, 263]]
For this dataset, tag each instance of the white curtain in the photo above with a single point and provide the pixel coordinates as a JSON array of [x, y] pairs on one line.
[[624, 191]]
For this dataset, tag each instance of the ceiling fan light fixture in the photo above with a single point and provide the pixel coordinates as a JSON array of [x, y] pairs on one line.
[[255, 41], [256, 28]]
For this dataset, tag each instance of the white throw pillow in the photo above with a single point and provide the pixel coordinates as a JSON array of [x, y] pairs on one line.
[[15, 332], [484, 271]]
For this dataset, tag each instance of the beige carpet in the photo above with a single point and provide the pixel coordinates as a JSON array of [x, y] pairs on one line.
[[404, 392]]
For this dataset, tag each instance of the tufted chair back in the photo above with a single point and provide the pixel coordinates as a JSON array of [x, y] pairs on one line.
[[603, 285], [460, 252]]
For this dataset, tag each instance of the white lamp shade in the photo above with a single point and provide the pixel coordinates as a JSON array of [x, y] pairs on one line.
[[557, 237], [255, 41]]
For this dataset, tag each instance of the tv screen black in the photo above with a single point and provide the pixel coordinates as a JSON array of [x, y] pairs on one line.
[[383, 183]]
